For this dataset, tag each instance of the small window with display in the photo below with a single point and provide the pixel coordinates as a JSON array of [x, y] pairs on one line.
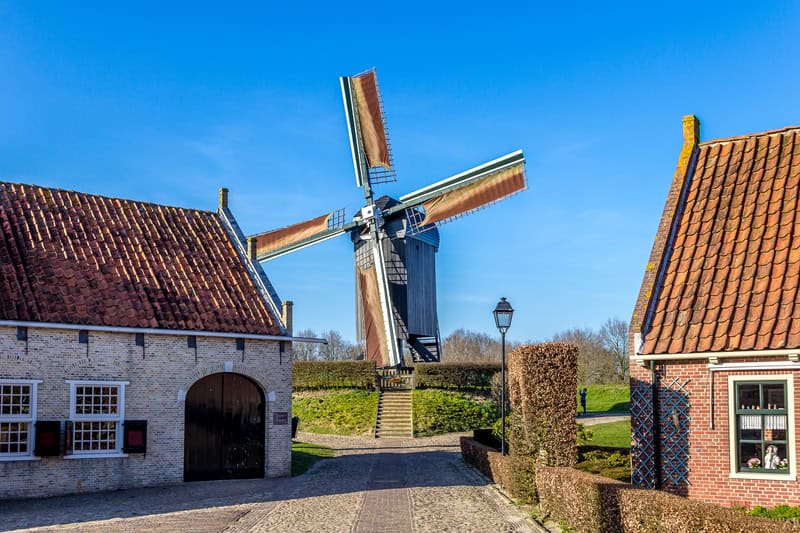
[[762, 427]]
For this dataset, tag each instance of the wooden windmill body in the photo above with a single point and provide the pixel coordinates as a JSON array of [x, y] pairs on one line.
[[395, 240]]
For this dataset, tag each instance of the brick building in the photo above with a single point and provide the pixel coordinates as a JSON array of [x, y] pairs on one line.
[[716, 328], [138, 346]]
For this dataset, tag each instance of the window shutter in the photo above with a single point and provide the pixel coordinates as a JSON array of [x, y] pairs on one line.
[[47, 441], [134, 438]]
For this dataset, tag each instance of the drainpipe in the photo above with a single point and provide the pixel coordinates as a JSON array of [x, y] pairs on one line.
[[656, 427]]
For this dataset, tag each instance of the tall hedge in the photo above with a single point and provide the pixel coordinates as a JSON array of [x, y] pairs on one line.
[[542, 379], [590, 503], [313, 375], [461, 376]]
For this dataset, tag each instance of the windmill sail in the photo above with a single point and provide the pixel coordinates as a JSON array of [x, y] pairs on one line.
[[370, 120], [273, 243], [369, 140], [374, 330], [465, 192]]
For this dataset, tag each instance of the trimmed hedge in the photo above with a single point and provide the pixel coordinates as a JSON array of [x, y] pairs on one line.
[[462, 376], [487, 460], [542, 379], [314, 375], [589, 503]]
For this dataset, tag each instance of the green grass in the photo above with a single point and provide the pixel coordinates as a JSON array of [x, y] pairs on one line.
[[613, 434], [336, 412], [304, 455], [780, 512], [603, 398], [437, 411]]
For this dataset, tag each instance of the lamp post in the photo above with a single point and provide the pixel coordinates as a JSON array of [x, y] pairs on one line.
[[503, 313]]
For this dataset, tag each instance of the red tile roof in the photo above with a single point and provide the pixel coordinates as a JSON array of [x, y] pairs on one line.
[[732, 279], [69, 257]]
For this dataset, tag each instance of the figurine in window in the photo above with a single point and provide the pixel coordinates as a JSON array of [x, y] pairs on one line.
[[771, 459]]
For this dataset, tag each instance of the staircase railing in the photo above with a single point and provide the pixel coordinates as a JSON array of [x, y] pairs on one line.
[[396, 379]]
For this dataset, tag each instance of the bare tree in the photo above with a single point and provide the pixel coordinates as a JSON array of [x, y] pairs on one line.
[[336, 349], [614, 334], [305, 351], [595, 362], [464, 345]]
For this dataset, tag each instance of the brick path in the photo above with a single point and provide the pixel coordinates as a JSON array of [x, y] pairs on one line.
[[391, 485]]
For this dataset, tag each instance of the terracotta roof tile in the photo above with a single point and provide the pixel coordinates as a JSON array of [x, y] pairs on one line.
[[75, 258], [732, 279]]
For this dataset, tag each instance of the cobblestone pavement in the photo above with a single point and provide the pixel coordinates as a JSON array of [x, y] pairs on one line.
[[385, 485]]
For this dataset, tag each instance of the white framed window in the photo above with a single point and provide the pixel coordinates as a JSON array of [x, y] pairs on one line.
[[97, 411], [761, 426], [17, 418]]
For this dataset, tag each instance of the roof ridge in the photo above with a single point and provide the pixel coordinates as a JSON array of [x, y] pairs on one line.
[[127, 200], [749, 136]]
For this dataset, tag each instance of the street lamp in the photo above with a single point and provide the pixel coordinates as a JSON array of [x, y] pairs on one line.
[[503, 313]]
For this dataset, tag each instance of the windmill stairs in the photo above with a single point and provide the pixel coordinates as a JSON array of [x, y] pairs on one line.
[[394, 419]]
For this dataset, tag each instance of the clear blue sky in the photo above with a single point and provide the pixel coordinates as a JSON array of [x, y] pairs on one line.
[[168, 104]]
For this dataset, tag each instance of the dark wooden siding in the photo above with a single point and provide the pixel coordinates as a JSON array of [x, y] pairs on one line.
[[421, 287]]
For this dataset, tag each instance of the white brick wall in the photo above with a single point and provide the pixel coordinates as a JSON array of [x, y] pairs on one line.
[[156, 381]]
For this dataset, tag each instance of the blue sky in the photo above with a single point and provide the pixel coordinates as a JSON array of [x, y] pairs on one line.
[[168, 104]]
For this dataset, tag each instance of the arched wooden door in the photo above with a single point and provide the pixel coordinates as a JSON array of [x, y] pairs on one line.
[[224, 435]]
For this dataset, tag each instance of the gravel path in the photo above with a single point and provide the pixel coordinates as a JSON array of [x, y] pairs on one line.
[[384, 485]]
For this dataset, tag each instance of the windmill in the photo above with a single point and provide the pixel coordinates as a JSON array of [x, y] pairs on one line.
[[395, 241]]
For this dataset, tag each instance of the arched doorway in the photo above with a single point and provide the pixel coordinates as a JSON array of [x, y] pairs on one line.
[[224, 436]]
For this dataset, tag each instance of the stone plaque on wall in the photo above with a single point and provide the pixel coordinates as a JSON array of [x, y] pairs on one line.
[[280, 418]]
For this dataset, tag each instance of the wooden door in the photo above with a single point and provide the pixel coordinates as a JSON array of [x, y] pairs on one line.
[[224, 435]]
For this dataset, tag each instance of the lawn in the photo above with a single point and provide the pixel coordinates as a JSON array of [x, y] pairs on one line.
[[602, 398], [304, 455], [349, 412], [613, 434], [437, 411]]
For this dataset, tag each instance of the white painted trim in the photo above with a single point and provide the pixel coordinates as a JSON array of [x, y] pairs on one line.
[[87, 455], [155, 331], [119, 417], [791, 446], [766, 365], [719, 355], [30, 419]]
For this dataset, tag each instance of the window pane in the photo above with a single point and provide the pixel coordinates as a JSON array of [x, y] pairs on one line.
[[94, 436], [750, 455], [14, 437], [750, 427], [775, 457], [15, 399], [749, 397], [774, 396]]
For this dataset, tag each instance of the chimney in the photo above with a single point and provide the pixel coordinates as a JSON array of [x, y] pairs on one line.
[[287, 315], [223, 198]]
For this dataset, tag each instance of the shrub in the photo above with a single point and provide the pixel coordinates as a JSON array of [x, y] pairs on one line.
[[487, 461], [781, 512], [592, 503], [438, 412], [461, 376], [542, 379], [315, 375]]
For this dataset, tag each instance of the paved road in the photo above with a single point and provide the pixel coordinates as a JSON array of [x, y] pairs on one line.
[[391, 485], [591, 419]]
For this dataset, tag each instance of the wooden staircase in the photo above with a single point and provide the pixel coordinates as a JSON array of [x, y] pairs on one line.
[[394, 415]]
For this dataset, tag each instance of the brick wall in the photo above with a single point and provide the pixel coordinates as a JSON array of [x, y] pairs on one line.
[[158, 382], [709, 447]]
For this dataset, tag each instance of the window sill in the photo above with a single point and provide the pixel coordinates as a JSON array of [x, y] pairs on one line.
[[95, 455], [11, 458], [758, 475]]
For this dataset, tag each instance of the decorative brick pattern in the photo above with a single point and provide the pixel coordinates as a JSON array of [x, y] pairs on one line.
[[157, 376], [707, 425]]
